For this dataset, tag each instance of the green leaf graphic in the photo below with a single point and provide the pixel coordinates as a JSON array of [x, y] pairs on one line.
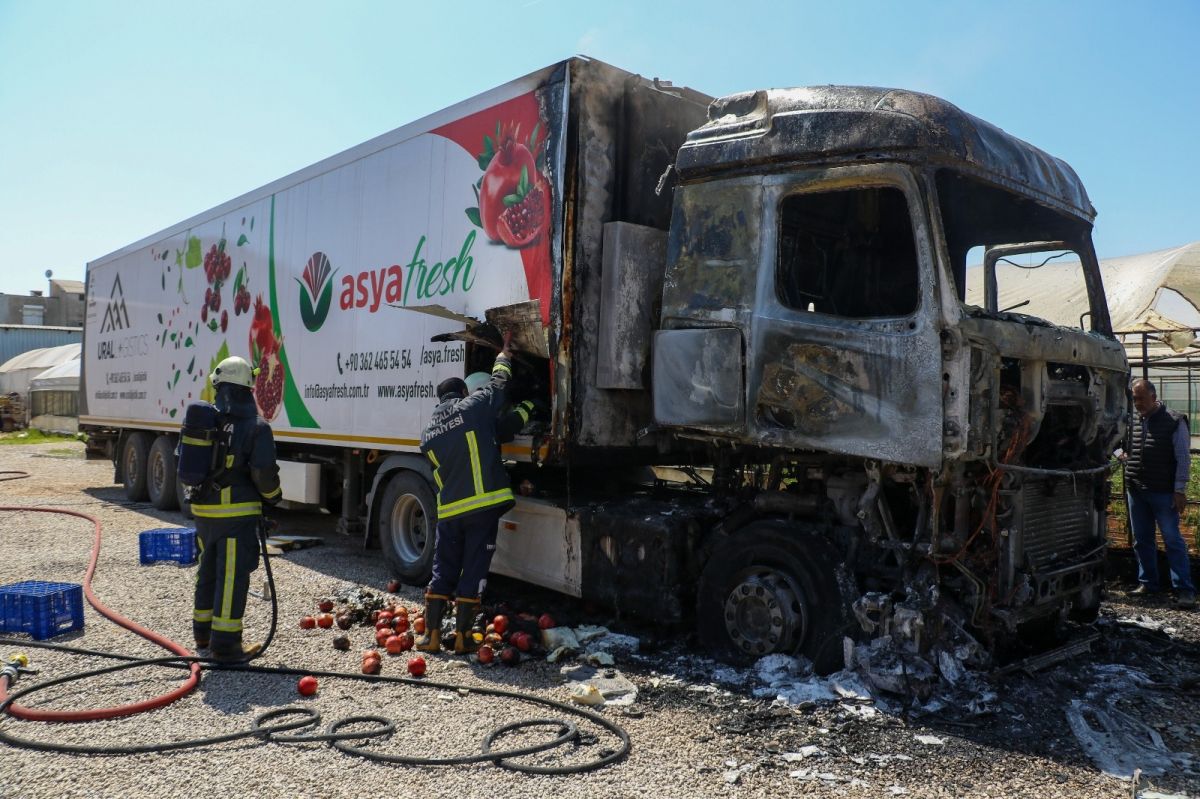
[[188, 343], [511, 199], [194, 257], [160, 319], [191, 364], [173, 412], [242, 240], [473, 215]]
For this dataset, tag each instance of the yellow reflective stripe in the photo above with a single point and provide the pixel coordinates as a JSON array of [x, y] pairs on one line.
[[524, 414], [227, 588], [475, 503], [227, 511], [196, 442], [228, 461], [226, 495], [500, 366], [272, 494], [476, 471], [201, 615], [437, 478], [222, 625]]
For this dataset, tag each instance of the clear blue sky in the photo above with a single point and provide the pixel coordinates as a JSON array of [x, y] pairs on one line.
[[118, 119]]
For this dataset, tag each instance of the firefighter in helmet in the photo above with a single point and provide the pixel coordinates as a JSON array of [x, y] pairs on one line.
[[228, 511]]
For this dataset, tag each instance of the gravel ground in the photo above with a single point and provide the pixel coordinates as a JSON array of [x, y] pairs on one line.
[[696, 731]]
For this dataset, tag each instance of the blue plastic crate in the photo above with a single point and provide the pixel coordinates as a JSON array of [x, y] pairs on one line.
[[43, 610], [171, 543]]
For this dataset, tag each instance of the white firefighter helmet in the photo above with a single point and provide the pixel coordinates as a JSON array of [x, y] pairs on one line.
[[233, 370], [476, 381]]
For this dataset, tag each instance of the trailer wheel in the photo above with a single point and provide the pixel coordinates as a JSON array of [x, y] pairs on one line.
[[134, 455], [406, 522], [773, 589], [160, 475]]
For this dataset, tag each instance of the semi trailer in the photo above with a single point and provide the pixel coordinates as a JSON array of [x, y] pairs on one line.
[[780, 399]]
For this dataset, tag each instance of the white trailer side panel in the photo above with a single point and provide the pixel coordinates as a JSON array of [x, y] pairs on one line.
[[326, 261]]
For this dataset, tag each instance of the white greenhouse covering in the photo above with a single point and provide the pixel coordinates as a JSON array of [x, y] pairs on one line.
[[16, 373]]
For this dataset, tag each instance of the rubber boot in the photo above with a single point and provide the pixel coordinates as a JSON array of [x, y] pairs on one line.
[[240, 655], [464, 641], [435, 608]]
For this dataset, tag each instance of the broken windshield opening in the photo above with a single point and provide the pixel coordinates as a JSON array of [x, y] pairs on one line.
[[1046, 279], [848, 253]]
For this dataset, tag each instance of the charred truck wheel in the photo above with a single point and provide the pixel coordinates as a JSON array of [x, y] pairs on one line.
[[773, 588], [134, 455], [406, 522], [160, 475]]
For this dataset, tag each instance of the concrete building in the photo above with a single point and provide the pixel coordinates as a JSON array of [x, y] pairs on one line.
[[62, 306]]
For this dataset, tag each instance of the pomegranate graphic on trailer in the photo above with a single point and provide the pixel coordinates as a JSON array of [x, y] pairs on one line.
[[264, 352], [509, 143]]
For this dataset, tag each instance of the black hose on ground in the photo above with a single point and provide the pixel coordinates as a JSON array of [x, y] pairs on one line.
[[272, 726]]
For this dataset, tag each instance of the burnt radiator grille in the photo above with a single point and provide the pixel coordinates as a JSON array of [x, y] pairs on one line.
[[1058, 521]]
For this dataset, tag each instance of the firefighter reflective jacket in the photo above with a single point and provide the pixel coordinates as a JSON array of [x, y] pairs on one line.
[[461, 443], [251, 474]]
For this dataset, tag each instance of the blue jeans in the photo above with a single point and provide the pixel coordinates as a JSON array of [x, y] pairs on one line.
[[1146, 508]]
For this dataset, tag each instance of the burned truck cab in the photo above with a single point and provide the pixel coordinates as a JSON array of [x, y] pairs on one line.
[[886, 317]]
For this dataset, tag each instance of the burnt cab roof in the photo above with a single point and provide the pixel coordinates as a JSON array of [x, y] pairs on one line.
[[823, 124]]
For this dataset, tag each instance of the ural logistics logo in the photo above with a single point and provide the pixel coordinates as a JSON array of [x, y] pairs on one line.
[[115, 315], [316, 291]]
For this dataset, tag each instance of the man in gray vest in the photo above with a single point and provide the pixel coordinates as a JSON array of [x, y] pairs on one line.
[[1156, 477]]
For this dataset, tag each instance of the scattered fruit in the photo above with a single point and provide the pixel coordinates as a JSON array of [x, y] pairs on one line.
[[381, 636], [394, 645], [307, 685], [546, 621], [386, 616], [342, 642], [418, 625], [393, 586], [325, 621], [492, 638], [500, 624], [486, 654], [510, 656], [400, 623], [325, 605], [371, 666], [406, 641], [416, 666], [307, 623], [383, 624], [522, 641], [344, 622]]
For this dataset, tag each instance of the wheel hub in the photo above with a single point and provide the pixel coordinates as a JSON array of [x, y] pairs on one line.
[[409, 528], [764, 613]]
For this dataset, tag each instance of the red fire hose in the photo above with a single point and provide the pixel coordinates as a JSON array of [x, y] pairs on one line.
[[193, 680]]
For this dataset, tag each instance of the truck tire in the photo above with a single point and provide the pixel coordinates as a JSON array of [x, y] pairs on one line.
[[769, 589], [134, 456], [160, 474], [406, 523]]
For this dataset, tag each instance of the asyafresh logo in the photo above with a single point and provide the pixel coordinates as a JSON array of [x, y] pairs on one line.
[[316, 291], [116, 317]]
